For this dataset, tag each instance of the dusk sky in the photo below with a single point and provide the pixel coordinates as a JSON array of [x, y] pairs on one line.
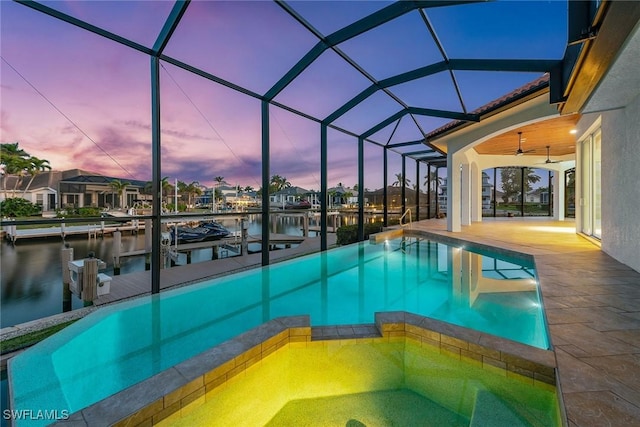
[[82, 101]]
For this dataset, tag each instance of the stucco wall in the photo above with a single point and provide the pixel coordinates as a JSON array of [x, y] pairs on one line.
[[621, 184]]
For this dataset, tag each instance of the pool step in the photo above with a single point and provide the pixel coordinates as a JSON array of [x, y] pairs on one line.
[[490, 410]]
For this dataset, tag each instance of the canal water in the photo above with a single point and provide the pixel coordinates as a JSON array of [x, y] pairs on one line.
[[31, 271]]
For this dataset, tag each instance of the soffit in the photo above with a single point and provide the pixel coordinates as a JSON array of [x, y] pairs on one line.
[[536, 136]]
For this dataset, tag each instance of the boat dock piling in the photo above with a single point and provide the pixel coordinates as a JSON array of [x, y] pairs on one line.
[[66, 255], [117, 245]]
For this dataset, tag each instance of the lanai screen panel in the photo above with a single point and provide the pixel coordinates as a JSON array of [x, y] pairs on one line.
[[74, 98], [249, 43], [208, 131], [139, 21]]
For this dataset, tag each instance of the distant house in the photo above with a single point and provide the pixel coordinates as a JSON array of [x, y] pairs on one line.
[[89, 189], [487, 193], [41, 191], [288, 195], [74, 187], [538, 195], [340, 195], [394, 196]]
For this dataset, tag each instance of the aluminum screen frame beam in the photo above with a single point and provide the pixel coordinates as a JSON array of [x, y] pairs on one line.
[[363, 25], [423, 112], [170, 25], [85, 25], [405, 144], [512, 65]]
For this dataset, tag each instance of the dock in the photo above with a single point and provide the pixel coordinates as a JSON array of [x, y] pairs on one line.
[[136, 284], [226, 243], [63, 231]]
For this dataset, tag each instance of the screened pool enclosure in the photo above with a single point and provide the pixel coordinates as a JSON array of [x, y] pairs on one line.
[[326, 94]]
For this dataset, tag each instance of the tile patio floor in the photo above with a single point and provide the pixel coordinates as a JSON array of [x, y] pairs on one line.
[[593, 310]]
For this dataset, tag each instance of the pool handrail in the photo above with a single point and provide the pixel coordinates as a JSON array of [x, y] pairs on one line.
[[408, 211]]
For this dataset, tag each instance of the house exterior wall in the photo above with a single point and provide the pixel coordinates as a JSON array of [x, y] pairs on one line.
[[620, 176]]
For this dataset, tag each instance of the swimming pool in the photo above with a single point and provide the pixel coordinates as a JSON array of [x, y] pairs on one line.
[[124, 344]]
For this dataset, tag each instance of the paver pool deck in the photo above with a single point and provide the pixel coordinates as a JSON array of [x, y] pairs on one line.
[[592, 304]]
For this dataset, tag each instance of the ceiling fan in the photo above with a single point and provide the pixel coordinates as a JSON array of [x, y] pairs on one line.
[[520, 151], [548, 159]]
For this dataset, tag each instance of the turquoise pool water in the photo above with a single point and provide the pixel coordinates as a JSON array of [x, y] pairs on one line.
[[124, 344]]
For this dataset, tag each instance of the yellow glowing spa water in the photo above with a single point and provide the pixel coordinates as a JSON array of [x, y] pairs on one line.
[[329, 383]]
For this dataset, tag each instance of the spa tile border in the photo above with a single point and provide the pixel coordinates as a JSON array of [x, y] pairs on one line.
[[182, 388], [508, 358]]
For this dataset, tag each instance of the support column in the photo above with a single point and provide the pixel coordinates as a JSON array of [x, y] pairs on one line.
[[385, 210], [417, 190], [558, 195], [476, 193], [453, 192], [403, 184], [156, 176], [429, 207], [323, 187], [465, 192], [360, 189], [265, 183]]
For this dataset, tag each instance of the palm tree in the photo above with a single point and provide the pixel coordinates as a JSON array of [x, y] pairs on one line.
[[400, 181], [119, 187], [192, 189], [15, 161], [248, 189], [35, 167], [182, 189], [279, 183], [166, 187], [434, 179], [219, 180]]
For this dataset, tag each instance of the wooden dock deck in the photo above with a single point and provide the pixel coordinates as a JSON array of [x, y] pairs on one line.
[[136, 284], [90, 230]]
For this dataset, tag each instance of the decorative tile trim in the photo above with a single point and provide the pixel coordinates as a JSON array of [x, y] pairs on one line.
[[509, 358], [183, 387]]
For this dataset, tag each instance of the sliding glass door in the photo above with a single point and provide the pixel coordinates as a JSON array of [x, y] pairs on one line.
[[591, 188]]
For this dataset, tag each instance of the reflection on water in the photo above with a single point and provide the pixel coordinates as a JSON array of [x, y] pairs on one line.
[[32, 274], [31, 271]]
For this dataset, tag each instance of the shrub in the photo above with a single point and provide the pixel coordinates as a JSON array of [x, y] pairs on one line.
[[182, 207], [18, 207], [73, 212], [348, 234]]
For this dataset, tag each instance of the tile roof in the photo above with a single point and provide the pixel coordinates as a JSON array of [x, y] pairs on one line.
[[516, 95]]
